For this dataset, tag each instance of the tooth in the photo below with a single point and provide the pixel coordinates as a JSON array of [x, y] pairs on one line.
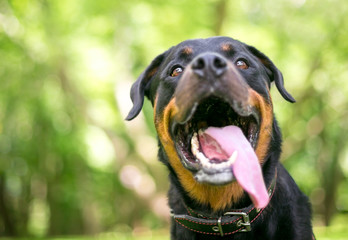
[[202, 158], [194, 144], [233, 157], [222, 165]]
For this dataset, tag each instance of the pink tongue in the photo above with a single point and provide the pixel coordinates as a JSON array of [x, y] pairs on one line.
[[219, 143]]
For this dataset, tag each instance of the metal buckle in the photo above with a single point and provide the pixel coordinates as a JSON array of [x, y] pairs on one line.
[[245, 222]]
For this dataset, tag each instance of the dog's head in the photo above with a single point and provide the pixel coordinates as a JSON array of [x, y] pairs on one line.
[[214, 116]]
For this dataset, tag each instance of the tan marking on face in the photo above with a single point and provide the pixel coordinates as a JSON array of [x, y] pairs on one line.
[[187, 50], [217, 197], [265, 134], [226, 47]]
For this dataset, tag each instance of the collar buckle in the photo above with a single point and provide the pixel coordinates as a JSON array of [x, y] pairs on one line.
[[245, 221]]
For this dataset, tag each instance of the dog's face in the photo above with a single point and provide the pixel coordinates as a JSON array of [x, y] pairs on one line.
[[213, 115]]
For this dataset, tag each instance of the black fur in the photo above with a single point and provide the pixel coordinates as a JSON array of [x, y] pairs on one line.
[[288, 215]]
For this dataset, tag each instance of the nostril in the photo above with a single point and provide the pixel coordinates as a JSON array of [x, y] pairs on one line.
[[219, 63], [199, 64]]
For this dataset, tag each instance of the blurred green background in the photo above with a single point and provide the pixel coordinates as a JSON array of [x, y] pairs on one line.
[[71, 166]]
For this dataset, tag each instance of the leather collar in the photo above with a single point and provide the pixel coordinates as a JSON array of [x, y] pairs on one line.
[[237, 220]]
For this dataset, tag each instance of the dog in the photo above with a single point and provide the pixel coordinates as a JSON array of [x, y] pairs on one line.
[[219, 138]]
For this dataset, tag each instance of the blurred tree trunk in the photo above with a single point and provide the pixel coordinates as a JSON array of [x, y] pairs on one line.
[[23, 207], [221, 7], [66, 217], [331, 174], [9, 229]]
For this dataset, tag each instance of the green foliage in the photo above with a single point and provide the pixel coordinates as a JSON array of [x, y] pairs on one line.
[[70, 164], [337, 230]]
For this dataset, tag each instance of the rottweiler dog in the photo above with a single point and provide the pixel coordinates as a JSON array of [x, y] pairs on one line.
[[219, 138]]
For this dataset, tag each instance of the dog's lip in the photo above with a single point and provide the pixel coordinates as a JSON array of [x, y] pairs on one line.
[[222, 177]]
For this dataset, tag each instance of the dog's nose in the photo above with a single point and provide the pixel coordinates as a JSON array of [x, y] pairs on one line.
[[208, 63]]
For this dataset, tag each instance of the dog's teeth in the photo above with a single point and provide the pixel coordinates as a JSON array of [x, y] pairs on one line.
[[204, 161], [224, 165], [194, 144], [202, 157], [233, 157]]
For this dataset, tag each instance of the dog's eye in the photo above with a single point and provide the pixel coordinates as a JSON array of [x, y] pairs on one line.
[[176, 72], [241, 64]]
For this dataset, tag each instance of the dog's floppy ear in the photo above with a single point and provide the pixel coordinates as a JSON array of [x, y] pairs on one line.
[[138, 89], [277, 75]]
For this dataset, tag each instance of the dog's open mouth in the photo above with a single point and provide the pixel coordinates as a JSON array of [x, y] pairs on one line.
[[216, 142], [200, 151]]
